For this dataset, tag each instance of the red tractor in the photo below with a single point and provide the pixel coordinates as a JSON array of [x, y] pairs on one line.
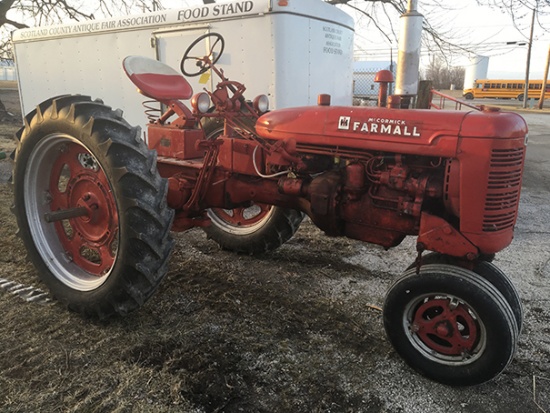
[[95, 205]]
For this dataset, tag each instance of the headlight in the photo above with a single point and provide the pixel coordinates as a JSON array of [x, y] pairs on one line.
[[261, 104], [201, 102]]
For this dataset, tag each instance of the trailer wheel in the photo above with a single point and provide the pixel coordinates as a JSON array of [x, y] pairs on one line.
[[256, 229], [91, 206], [489, 272], [450, 325]]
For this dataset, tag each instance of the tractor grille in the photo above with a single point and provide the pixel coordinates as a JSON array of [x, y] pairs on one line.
[[503, 189]]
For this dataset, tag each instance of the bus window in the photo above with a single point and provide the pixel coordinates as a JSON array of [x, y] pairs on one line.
[[504, 85], [487, 85]]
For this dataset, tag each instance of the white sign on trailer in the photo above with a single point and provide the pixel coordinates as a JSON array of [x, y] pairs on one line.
[[291, 51]]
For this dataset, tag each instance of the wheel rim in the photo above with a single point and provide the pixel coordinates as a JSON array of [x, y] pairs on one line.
[[241, 221], [64, 177], [445, 329]]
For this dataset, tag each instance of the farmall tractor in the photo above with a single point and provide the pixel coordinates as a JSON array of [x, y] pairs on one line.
[[95, 205]]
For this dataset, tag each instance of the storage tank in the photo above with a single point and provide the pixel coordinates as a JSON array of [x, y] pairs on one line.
[[476, 69]]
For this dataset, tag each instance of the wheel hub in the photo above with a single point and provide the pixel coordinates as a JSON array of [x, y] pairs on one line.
[[89, 193], [446, 327], [77, 183]]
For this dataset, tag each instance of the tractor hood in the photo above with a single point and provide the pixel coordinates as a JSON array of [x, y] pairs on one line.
[[380, 129]]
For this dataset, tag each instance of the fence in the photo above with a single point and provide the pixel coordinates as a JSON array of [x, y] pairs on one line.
[[365, 89], [7, 73]]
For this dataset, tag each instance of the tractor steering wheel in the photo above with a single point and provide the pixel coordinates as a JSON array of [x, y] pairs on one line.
[[204, 63]]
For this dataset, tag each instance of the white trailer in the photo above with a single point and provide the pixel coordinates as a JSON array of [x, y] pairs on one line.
[[291, 50]]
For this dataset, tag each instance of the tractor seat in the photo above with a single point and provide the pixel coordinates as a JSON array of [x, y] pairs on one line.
[[156, 80]]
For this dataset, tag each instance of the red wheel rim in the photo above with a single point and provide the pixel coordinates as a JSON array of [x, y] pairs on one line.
[[243, 217], [77, 181], [446, 326]]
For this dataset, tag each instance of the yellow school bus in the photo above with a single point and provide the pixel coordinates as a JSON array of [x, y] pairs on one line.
[[505, 89]]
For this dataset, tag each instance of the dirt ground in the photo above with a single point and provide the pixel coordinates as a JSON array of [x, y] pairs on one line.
[[297, 330]]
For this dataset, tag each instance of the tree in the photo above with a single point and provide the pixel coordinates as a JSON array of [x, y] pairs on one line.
[[383, 15], [520, 11], [18, 14], [442, 75]]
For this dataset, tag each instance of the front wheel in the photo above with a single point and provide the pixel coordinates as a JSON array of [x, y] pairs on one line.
[[469, 96], [450, 325], [91, 206], [491, 273]]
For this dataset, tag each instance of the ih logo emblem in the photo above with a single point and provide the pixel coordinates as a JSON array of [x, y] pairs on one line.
[[344, 123]]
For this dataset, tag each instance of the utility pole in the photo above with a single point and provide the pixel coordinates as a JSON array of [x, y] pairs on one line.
[[529, 47], [544, 81], [408, 60]]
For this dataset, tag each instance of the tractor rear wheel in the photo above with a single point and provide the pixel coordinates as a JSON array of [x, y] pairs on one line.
[[451, 325], [91, 206], [254, 229]]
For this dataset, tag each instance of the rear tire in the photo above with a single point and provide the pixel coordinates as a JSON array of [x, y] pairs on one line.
[[265, 231], [450, 325], [256, 229], [79, 156], [521, 96]]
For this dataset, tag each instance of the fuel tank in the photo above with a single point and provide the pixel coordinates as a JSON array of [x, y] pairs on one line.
[[418, 132]]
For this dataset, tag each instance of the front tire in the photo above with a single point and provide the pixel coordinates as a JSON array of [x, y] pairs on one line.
[[91, 206], [450, 325], [469, 96], [490, 272]]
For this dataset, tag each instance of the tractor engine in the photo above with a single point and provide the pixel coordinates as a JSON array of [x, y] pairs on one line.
[[378, 199]]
